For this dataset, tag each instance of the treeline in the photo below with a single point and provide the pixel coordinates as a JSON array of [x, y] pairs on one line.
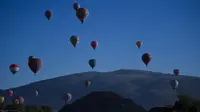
[[24, 108], [184, 104]]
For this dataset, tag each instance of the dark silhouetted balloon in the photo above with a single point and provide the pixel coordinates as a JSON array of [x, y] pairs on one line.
[[176, 72], [139, 44], [35, 65], [76, 6], [82, 14], [92, 63], [48, 14], [74, 40], [146, 58], [31, 57]]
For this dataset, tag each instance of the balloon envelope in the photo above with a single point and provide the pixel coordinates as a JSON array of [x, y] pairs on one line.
[[146, 58], [10, 92], [16, 101], [31, 57], [35, 65], [82, 14], [67, 97], [174, 84], [92, 63], [14, 68], [76, 6], [36, 92], [87, 83], [94, 44], [48, 14], [74, 40], [139, 44], [1, 99], [176, 72], [21, 100]]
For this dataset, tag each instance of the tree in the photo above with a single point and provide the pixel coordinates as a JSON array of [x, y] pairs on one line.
[[46, 108], [31, 108], [1, 105], [186, 104], [15, 107]]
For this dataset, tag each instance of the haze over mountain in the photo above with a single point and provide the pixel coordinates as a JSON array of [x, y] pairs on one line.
[[146, 88]]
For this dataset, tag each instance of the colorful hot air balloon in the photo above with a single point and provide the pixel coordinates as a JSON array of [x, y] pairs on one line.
[[176, 72], [67, 97], [74, 40], [82, 14], [146, 58], [21, 100], [48, 14], [16, 101], [10, 92], [87, 83], [94, 44], [139, 44], [174, 84], [31, 57], [35, 65], [92, 63], [76, 6], [14, 68], [1, 99]]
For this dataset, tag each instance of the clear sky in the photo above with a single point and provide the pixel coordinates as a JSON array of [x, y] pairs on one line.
[[169, 29]]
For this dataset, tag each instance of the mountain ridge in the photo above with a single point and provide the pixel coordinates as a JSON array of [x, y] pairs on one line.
[[139, 85], [119, 70]]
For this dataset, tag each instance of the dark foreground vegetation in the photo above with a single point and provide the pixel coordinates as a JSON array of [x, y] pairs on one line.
[[108, 102]]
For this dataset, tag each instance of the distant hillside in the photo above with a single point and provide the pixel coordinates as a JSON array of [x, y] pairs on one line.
[[148, 89], [102, 102]]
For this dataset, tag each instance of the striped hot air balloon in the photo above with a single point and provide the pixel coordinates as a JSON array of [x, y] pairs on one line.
[[14, 68]]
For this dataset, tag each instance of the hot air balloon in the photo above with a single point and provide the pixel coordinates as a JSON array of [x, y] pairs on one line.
[[74, 40], [48, 14], [174, 84], [176, 72], [10, 92], [31, 57], [21, 100], [67, 97], [76, 6], [35, 65], [82, 14], [14, 68], [87, 83], [1, 99], [36, 93], [146, 58], [92, 63], [139, 44], [94, 44], [16, 101]]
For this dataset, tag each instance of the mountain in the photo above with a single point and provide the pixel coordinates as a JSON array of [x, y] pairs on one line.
[[102, 102], [146, 88]]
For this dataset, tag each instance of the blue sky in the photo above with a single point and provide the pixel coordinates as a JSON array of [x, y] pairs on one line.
[[169, 29]]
